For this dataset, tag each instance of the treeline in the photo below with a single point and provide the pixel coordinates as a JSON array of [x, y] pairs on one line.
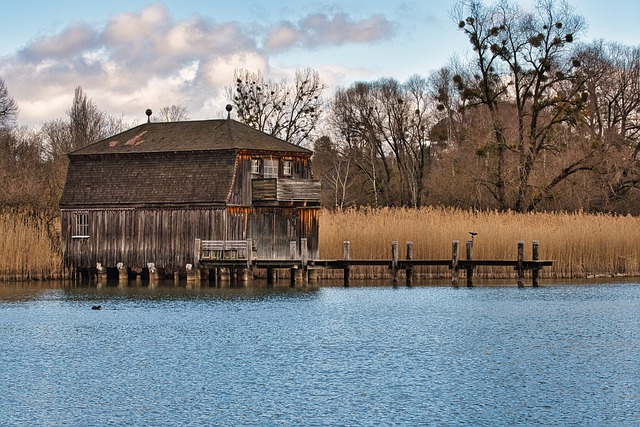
[[531, 120]]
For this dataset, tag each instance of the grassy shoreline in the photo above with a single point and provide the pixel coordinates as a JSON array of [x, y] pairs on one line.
[[581, 245]]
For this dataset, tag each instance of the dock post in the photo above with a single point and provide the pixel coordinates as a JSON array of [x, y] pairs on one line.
[[242, 274], [196, 252], [271, 276], [304, 255], [153, 274], [224, 277], [409, 269], [293, 273], [519, 267], [250, 258], [123, 275], [346, 248], [536, 270], [193, 275], [469, 244], [454, 262], [101, 272], [394, 262], [312, 275]]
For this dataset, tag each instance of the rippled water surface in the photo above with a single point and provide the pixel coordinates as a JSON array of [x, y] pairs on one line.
[[556, 355]]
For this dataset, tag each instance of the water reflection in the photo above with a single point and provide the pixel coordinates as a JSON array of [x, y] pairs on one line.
[[91, 291]]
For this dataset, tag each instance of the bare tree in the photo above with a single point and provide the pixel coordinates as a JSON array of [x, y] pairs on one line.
[[290, 112], [613, 115], [334, 169], [173, 113], [8, 108], [385, 127], [525, 78]]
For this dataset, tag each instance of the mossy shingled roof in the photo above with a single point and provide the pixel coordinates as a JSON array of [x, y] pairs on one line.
[[202, 135]]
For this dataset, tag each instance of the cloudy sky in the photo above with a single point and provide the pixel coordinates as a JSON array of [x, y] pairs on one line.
[[130, 55]]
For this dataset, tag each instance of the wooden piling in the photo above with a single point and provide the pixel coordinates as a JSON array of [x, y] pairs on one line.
[[469, 247], [454, 262], [101, 273], [224, 276], [312, 275], [293, 273], [536, 256], [123, 274], [243, 275], [520, 266], [346, 249], [394, 262], [304, 255], [271, 276], [409, 270]]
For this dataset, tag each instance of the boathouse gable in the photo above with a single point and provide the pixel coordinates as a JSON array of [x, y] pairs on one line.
[[145, 195]]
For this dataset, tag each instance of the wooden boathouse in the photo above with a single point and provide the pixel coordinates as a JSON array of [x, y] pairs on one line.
[[137, 201]]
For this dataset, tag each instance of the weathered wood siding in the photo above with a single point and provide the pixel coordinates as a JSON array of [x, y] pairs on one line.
[[274, 228], [166, 237], [241, 193], [285, 190], [136, 237]]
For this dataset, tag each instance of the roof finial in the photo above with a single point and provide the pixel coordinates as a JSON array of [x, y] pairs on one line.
[[229, 107], [148, 113]]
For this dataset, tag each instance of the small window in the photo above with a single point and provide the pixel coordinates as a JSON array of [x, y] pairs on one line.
[[81, 225], [255, 166], [286, 167], [270, 168]]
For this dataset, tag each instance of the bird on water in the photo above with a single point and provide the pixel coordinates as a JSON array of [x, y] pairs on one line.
[[96, 307]]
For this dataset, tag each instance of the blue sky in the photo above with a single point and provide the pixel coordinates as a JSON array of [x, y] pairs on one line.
[[130, 55]]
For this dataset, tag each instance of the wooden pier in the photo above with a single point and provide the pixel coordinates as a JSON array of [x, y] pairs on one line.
[[238, 257]]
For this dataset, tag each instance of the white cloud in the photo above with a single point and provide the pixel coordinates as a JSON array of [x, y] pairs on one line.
[[146, 59], [324, 30], [70, 42]]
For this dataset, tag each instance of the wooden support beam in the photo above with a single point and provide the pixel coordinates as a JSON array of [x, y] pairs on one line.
[[454, 262], [346, 255], [519, 267], [304, 258], [536, 256], [409, 269], [394, 262], [271, 276], [469, 247]]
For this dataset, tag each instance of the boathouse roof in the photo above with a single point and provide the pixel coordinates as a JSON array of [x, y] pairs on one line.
[[199, 135]]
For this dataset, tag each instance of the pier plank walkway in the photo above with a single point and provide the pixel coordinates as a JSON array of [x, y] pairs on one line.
[[239, 255]]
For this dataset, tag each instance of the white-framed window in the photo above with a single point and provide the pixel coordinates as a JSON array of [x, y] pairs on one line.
[[80, 225], [270, 167], [286, 168], [255, 166]]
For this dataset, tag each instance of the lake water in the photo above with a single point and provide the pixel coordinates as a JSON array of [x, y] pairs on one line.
[[321, 356]]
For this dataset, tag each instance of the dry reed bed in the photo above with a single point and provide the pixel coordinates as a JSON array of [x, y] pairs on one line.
[[581, 245], [26, 250]]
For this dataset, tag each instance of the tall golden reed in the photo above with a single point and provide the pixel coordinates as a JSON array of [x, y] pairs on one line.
[[580, 245], [26, 250]]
